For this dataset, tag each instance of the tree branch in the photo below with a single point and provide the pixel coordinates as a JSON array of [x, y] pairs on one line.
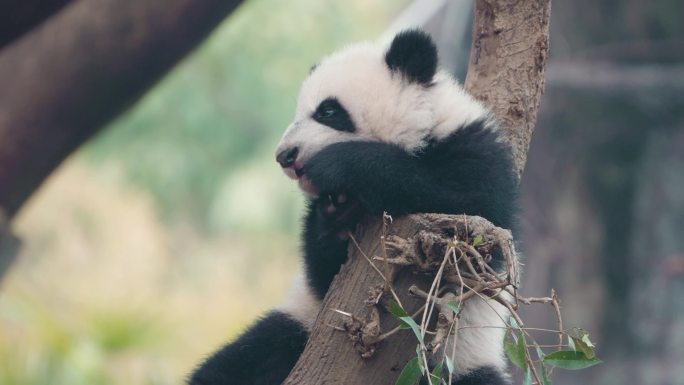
[[72, 74], [507, 64], [506, 72]]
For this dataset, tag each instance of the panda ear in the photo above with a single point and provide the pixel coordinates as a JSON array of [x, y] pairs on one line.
[[414, 54]]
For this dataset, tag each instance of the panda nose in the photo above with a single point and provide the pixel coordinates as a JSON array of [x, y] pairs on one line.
[[287, 158]]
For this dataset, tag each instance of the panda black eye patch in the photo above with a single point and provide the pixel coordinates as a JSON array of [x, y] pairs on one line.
[[331, 113]]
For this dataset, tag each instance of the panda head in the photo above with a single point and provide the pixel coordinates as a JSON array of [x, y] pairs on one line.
[[368, 92]]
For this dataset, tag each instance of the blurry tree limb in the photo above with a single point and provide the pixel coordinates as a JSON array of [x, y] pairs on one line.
[[19, 16], [610, 76], [72, 74], [9, 245], [506, 72]]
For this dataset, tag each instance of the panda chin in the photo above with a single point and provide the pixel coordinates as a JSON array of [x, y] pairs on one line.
[[302, 180], [308, 187]]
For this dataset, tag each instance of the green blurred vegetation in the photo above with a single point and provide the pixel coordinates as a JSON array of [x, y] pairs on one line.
[[226, 106], [174, 228]]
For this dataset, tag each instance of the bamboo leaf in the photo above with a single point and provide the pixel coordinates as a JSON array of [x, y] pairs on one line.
[[545, 376], [410, 374], [572, 360], [437, 371], [581, 342], [454, 306], [414, 326], [449, 363], [540, 352], [478, 240], [515, 351], [527, 380], [396, 310]]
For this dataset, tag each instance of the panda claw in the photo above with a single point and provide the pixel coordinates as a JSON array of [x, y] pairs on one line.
[[341, 199]]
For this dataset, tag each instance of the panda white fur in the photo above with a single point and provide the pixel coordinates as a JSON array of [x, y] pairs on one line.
[[379, 129]]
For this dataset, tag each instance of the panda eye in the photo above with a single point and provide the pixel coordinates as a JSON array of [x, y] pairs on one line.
[[325, 112], [332, 114]]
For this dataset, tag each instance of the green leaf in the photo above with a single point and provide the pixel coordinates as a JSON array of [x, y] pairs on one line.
[[581, 342], [414, 326], [541, 355], [420, 360], [527, 380], [581, 346], [398, 311], [478, 240], [516, 350], [568, 359], [450, 364], [586, 340], [540, 352], [454, 306], [437, 371], [411, 373], [545, 376]]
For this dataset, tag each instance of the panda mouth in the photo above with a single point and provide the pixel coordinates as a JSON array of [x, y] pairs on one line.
[[297, 173], [305, 185]]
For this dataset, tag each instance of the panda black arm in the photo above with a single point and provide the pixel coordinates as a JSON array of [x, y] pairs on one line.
[[470, 171], [264, 355], [377, 174]]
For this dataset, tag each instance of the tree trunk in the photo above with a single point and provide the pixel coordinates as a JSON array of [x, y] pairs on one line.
[[19, 16], [72, 74], [506, 72]]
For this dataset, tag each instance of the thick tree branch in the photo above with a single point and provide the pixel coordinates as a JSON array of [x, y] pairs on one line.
[[20, 16], [9, 245], [506, 72], [72, 74], [507, 64]]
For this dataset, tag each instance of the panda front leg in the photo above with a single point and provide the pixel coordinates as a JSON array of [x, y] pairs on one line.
[[262, 355], [478, 357], [268, 350], [380, 176], [328, 221]]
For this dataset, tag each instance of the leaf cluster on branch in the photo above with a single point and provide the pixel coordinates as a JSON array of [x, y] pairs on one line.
[[457, 252]]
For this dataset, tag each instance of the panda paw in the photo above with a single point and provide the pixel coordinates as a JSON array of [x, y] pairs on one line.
[[327, 171], [339, 212]]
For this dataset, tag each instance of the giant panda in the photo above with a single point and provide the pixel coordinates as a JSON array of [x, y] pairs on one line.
[[379, 129]]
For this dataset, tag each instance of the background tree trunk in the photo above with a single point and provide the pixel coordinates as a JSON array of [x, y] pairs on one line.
[[72, 74], [20, 16], [506, 72], [76, 71]]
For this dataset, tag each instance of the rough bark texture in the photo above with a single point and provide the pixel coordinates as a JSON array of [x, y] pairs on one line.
[[72, 74], [330, 357], [506, 72], [507, 62]]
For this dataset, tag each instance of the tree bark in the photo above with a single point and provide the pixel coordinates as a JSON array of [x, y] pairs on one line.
[[330, 357], [9, 245], [506, 72], [72, 74], [507, 64], [20, 16]]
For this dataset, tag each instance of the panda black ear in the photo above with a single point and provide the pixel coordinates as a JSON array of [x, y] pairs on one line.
[[414, 54]]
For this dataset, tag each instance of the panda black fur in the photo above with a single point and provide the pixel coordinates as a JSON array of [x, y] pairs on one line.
[[376, 130]]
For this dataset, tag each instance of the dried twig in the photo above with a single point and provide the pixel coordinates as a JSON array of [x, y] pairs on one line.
[[460, 264]]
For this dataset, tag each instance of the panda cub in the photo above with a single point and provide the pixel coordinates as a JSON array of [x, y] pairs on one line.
[[379, 129]]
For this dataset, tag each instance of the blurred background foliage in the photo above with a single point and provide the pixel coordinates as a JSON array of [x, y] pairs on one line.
[[150, 246], [168, 233]]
